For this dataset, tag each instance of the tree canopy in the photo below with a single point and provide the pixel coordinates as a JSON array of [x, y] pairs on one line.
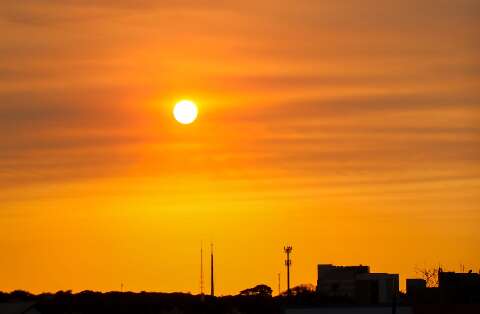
[[258, 290]]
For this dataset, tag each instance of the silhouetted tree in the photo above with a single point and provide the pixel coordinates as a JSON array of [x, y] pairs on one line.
[[430, 275], [259, 290], [303, 289], [21, 295]]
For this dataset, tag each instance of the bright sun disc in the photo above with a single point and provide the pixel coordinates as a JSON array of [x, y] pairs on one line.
[[185, 112]]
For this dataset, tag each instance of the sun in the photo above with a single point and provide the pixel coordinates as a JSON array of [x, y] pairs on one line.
[[185, 111]]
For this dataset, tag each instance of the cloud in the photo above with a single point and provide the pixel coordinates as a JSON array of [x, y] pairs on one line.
[[54, 13], [328, 87]]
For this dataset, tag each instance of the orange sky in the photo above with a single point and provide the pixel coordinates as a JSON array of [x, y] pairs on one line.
[[348, 129]]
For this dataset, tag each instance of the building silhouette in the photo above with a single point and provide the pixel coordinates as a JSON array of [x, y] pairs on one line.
[[338, 280], [459, 287], [414, 284], [376, 288], [357, 283], [453, 288]]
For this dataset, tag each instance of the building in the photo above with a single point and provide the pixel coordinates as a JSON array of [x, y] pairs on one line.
[[338, 280], [357, 284], [376, 288], [414, 285], [459, 287], [453, 288]]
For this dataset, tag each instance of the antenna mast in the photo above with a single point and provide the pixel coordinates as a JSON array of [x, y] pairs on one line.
[[212, 286], [201, 269], [288, 263]]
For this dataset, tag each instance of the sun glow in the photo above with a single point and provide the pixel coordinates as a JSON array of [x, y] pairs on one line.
[[185, 112]]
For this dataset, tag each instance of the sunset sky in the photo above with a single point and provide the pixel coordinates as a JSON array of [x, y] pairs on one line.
[[349, 129]]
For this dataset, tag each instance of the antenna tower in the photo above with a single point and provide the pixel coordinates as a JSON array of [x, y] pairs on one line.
[[201, 269], [212, 285], [288, 263]]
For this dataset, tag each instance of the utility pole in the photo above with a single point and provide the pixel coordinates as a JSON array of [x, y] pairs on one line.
[[288, 263]]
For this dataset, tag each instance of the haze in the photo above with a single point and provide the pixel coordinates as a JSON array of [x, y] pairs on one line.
[[348, 129]]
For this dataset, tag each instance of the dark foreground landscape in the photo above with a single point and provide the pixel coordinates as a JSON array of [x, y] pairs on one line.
[[302, 302]]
